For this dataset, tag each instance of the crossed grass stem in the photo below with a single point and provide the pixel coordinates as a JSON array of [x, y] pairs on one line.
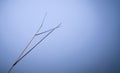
[[22, 55]]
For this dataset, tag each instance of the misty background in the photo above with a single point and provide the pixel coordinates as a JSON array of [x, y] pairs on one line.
[[88, 40]]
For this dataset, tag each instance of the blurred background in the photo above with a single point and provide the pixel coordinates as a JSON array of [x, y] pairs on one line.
[[88, 40]]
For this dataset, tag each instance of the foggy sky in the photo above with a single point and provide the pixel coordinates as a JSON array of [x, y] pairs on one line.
[[88, 40]]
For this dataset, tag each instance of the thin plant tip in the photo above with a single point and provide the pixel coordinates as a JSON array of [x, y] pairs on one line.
[[59, 25]]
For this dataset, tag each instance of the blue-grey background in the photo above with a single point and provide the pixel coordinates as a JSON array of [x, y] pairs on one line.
[[87, 42]]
